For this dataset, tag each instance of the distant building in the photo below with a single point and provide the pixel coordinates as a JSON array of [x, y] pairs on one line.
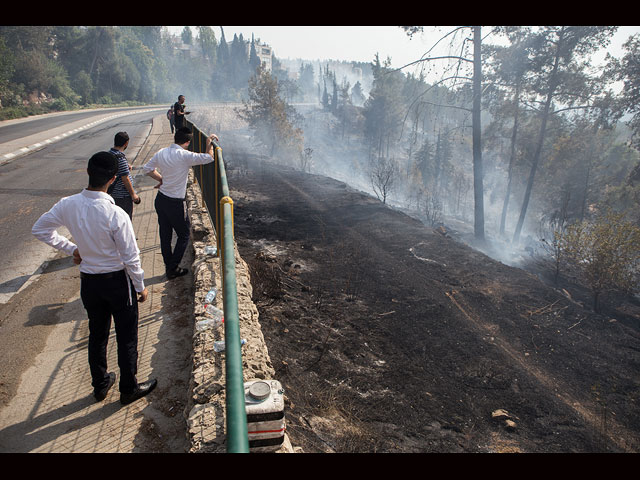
[[264, 52], [192, 50]]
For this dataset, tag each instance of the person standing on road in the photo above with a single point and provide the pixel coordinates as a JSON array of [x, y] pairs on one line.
[[122, 189], [174, 163], [171, 118], [179, 113], [110, 274]]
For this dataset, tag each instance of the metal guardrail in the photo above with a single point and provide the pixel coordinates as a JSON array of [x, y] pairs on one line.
[[212, 180]]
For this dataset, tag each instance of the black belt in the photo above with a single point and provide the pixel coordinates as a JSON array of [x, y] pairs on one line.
[[171, 199], [101, 275]]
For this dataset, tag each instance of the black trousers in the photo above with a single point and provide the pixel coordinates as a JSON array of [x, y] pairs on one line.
[[126, 204], [172, 216], [105, 296]]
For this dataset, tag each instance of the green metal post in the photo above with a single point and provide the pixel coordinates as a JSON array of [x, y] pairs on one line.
[[237, 436], [236, 414]]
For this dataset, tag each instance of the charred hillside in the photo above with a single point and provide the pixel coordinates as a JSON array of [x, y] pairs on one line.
[[390, 336]]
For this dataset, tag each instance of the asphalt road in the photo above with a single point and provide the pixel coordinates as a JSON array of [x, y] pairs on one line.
[[33, 274], [31, 184], [24, 127]]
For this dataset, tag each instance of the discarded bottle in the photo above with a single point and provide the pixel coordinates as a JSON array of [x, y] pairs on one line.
[[203, 325], [214, 312], [219, 346], [210, 250], [211, 295]]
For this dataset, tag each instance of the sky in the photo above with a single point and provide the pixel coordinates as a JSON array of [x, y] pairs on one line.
[[358, 43]]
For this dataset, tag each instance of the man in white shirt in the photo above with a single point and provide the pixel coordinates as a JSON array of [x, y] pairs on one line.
[[110, 274], [170, 166]]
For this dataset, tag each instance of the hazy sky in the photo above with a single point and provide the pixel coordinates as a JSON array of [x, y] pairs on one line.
[[359, 43]]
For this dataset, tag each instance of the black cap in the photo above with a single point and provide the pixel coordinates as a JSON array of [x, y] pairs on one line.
[[103, 164]]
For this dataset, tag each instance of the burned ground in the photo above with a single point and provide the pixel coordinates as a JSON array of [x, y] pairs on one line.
[[391, 336]]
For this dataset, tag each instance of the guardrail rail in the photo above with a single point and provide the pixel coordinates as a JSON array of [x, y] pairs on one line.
[[212, 180]]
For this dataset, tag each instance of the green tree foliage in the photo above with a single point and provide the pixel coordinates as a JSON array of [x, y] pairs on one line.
[[254, 60], [606, 253], [306, 79], [357, 95], [6, 69], [559, 57], [271, 118], [33, 70], [208, 43], [67, 66], [383, 110], [187, 36], [507, 74]]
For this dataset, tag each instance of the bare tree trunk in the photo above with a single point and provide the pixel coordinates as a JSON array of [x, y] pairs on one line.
[[514, 134], [95, 51], [436, 180], [478, 190], [585, 193], [538, 151]]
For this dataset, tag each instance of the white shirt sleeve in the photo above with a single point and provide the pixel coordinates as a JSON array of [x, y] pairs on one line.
[[125, 239], [199, 158], [150, 165], [46, 229]]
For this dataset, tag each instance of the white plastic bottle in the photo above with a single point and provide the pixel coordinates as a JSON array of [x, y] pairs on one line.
[[211, 295], [203, 325], [219, 345], [214, 312]]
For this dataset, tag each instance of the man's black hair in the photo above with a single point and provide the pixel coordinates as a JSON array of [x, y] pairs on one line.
[[102, 168], [120, 139], [182, 135]]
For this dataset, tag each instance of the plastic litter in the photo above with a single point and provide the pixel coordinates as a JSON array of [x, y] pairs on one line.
[[203, 325], [214, 312], [210, 250], [219, 346], [215, 318], [211, 295]]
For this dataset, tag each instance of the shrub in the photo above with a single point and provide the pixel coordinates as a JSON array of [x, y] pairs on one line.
[[605, 253]]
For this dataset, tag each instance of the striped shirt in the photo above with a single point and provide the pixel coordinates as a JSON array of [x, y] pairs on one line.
[[119, 190]]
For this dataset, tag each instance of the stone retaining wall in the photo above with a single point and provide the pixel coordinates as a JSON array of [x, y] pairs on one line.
[[205, 412]]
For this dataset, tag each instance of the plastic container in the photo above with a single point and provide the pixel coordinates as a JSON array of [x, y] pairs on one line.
[[210, 250], [214, 312], [207, 323], [264, 402], [219, 345], [211, 295]]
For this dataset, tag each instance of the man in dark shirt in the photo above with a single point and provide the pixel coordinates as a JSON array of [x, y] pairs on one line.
[[122, 189], [179, 113], [170, 117]]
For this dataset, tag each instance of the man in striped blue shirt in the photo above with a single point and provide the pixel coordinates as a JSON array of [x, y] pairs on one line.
[[122, 189]]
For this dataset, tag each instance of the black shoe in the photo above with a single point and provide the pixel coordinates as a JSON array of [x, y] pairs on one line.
[[102, 393], [143, 389], [176, 272]]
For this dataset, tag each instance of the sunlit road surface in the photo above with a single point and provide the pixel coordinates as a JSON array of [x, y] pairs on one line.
[[30, 183]]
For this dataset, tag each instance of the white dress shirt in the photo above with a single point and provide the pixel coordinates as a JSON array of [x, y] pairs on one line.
[[173, 163], [103, 233]]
